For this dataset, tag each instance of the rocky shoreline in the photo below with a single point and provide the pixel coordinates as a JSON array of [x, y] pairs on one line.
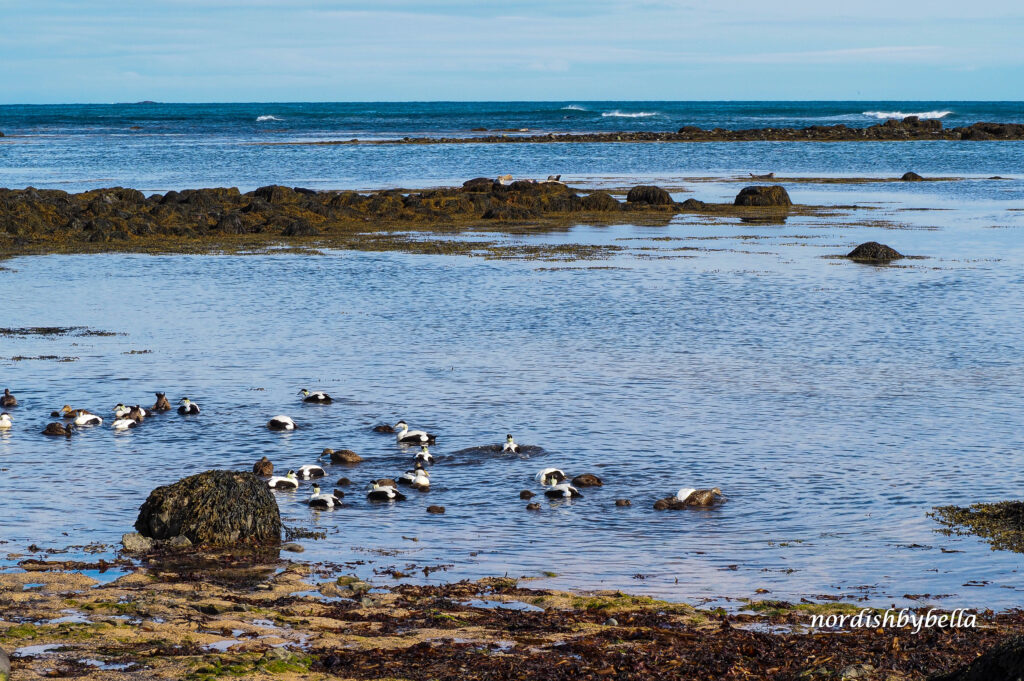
[[910, 128], [220, 616], [34, 221]]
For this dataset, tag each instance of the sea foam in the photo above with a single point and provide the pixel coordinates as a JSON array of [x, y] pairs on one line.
[[900, 114], [267, 118], [573, 107], [637, 114]]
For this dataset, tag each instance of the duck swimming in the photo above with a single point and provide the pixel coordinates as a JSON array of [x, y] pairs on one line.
[[188, 407], [561, 491], [286, 482], [550, 476], [281, 423], [424, 455], [418, 477], [5, 421], [316, 397], [263, 467], [699, 497], [318, 500], [7, 400], [86, 418], [124, 423], [412, 437], [161, 403], [380, 492], [309, 472], [58, 429], [121, 411], [510, 445]]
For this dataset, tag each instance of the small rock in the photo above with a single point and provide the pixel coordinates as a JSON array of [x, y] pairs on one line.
[[872, 251], [911, 177], [693, 204], [435, 509], [622, 502], [177, 543], [135, 543], [526, 494], [533, 507], [856, 671], [293, 547], [770, 195], [611, 622], [360, 587]]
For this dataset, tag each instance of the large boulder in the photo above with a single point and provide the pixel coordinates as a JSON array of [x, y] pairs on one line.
[[215, 508], [768, 195], [1004, 661], [872, 251], [649, 194], [911, 176]]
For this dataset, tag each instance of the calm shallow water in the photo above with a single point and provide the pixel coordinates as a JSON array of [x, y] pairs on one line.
[[834, 403]]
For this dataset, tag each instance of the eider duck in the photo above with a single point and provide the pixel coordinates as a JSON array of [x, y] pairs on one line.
[[308, 472], [550, 476], [58, 429], [341, 455], [510, 445], [162, 404], [281, 423], [287, 482], [66, 412], [699, 497], [412, 437], [418, 477], [137, 413], [5, 421], [120, 410], [125, 423], [188, 407], [587, 480], [8, 399], [383, 428], [87, 418], [263, 467], [561, 491], [379, 492], [318, 500], [318, 397], [424, 455]]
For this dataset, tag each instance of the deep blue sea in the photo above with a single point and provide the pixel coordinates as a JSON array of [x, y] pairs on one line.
[[156, 147], [834, 403]]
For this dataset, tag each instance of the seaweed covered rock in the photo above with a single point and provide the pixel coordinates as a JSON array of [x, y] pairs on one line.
[[911, 177], [478, 184], [649, 194], [601, 202], [763, 195], [872, 251], [1004, 661], [1000, 523], [215, 508], [693, 204]]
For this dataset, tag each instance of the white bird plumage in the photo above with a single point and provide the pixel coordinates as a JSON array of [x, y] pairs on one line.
[[418, 477], [87, 419], [188, 407], [562, 490], [684, 493], [323, 500], [424, 455], [124, 424], [379, 492], [284, 482], [281, 422], [550, 476], [411, 437], [510, 445], [5, 421], [308, 472]]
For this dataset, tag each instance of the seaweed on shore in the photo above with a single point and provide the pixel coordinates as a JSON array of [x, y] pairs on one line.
[[1001, 524]]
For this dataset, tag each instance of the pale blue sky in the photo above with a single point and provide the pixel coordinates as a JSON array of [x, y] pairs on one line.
[[223, 50]]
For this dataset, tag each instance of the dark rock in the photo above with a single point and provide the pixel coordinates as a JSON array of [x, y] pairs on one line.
[[654, 196], [342, 456], [508, 212], [771, 195], [623, 502], [343, 482], [263, 467], [526, 494], [478, 184], [300, 227], [215, 508], [587, 480], [1004, 661], [232, 223], [304, 191], [693, 204], [911, 177], [276, 194], [602, 202], [435, 509], [872, 251]]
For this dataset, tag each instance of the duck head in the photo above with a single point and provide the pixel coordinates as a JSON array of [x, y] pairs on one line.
[[304, 392], [401, 425], [66, 409], [316, 490], [508, 439]]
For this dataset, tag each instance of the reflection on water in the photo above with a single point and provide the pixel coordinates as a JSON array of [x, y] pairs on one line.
[[833, 403]]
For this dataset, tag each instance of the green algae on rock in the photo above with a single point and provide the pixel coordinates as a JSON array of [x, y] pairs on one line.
[[1001, 524]]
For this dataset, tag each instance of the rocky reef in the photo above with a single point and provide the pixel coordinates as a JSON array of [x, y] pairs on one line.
[[215, 508]]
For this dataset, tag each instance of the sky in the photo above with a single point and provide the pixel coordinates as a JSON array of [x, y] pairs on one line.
[[403, 50]]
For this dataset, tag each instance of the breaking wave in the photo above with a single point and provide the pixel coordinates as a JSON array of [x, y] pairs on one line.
[[267, 118], [573, 107], [637, 114], [899, 114]]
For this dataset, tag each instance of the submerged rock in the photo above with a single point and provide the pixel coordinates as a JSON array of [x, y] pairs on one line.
[[911, 177], [215, 508], [769, 195], [1003, 661], [1001, 523], [649, 194], [872, 251]]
